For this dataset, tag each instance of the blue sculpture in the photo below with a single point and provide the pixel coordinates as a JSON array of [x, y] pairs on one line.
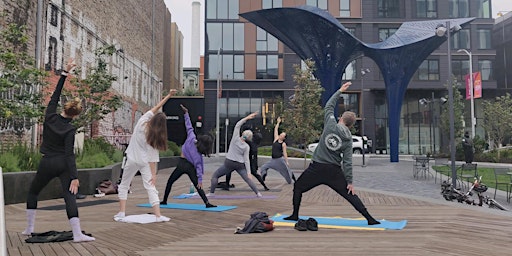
[[313, 33]]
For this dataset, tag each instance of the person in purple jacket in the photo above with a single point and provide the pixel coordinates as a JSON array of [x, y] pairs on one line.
[[191, 161]]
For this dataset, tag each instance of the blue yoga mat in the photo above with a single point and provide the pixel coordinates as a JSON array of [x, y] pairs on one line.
[[194, 207], [338, 222], [253, 196]]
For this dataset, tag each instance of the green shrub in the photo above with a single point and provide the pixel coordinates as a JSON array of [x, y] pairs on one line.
[[117, 156], [99, 145], [172, 150], [96, 160], [9, 162]]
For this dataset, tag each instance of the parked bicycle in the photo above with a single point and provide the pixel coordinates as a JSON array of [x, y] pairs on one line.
[[449, 193]]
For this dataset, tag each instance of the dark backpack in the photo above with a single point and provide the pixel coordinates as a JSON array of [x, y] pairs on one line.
[[258, 223]]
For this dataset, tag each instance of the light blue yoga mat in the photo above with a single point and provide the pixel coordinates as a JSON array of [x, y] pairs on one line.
[[194, 207], [194, 196], [338, 222]]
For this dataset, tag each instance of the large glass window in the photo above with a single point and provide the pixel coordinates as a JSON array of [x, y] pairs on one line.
[[484, 8], [222, 9], [484, 38], [428, 70], [460, 40], [350, 71], [426, 8], [222, 35], [460, 69], [389, 9], [322, 4], [458, 8], [344, 8], [485, 67], [265, 41], [267, 4], [267, 67], [232, 66], [385, 33]]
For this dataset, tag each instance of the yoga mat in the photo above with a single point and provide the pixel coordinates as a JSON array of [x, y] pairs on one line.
[[250, 190], [79, 204], [194, 196], [140, 218], [196, 207], [342, 223]]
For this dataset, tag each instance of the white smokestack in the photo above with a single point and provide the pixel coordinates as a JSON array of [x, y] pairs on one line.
[[196, 35]]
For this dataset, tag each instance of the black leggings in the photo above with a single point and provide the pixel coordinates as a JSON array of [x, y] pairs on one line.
[[254, 172], [49, 168], [327, 174], [184, 167]]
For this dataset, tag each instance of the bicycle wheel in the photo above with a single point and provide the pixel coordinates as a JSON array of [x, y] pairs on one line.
[[494, 204]]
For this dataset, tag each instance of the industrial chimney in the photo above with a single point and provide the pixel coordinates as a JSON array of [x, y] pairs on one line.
[[196, 35]]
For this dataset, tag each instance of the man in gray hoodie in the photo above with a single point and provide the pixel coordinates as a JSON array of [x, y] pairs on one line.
[[332, 161]]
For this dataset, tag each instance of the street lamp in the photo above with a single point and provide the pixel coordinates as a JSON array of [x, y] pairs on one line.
[[443, 30], [364, 71], [471, 91]]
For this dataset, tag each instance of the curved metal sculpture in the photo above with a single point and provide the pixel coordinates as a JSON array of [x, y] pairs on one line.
[[313, 33]]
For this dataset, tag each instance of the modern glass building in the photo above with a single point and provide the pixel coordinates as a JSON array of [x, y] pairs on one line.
[[254, 69]]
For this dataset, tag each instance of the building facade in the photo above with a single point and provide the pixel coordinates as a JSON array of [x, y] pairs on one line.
[[255, 68]]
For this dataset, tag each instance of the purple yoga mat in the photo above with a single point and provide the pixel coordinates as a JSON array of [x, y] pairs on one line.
[[185, 196]]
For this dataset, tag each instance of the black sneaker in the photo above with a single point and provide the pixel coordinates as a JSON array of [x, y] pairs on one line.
[[301, 225], [312, 224]]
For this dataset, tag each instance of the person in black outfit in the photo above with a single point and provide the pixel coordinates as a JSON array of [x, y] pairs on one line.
[[253, 158], [58, 159], [467, 145]]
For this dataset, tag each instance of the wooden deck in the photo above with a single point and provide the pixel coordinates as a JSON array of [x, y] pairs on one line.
[[434, 228]]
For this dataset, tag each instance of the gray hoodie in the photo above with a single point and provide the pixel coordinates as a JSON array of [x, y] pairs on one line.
[[335, 145]]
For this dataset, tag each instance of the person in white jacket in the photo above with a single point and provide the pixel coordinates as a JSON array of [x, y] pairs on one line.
[[237, 158], [149, 136]]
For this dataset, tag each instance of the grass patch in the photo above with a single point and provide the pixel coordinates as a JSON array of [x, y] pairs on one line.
[[486, 173]]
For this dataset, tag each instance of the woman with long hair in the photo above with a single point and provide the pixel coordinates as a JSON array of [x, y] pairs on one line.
[[191, 161], [58, 159], [149, 136]]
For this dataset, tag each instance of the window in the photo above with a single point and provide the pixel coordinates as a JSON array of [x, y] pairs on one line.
[[54, 15], [385, 33], [267, 67], [484, 38], [426, 8], [484, 8], [232, 66], [222, 35], [222, 9], [344, 8], [389, 9], [428, 70], [460, 69], [485, 67], [350, 71], [265, 41], [458, 8], [460, 40], [267, 4], [322, 4]]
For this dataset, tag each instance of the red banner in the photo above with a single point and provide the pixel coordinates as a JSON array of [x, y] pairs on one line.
[[477, 86]]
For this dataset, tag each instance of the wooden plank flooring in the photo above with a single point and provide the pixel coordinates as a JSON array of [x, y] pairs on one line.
[[434, 228]]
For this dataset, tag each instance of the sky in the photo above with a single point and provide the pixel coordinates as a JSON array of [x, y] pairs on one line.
[[181, 13]]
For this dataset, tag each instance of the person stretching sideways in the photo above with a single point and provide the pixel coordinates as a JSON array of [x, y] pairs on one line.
[[279, 161], [149, 136], [336, 140], [191, 161], [237, 158], [58, 158]]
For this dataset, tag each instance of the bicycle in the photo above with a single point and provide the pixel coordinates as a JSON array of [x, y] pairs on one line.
[[449, 193]]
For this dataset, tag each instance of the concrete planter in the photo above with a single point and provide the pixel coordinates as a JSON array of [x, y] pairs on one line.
[[17, 184]]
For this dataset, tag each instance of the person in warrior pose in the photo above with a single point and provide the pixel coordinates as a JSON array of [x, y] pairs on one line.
[[279, 161]]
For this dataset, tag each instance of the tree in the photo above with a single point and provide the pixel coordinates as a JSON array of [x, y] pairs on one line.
[[95, 91], [20, 82], [498, 118], [458, 112], [303, 119]]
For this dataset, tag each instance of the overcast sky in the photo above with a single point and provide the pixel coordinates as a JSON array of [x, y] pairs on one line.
[[181, 13]]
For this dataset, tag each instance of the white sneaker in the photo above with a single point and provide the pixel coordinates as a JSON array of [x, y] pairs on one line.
[[162, 219], [119, 216], [210, 194], [259, 194]]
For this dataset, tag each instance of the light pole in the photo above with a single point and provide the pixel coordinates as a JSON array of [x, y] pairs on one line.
[[471, 91], [444, 30], [364, 71]]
